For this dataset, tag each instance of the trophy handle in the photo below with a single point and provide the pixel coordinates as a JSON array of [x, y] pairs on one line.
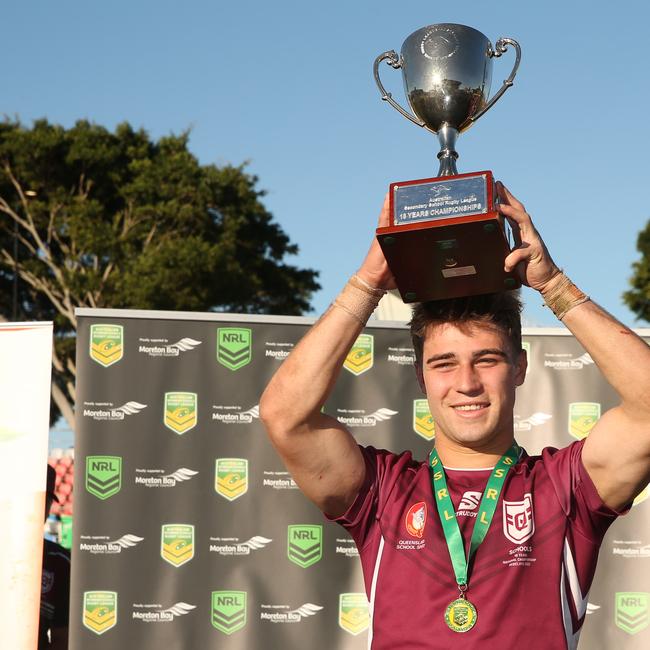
[[394, 62], [500, 47]]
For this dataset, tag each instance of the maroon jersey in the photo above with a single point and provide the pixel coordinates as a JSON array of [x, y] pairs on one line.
[[55, 590], [530, 577]]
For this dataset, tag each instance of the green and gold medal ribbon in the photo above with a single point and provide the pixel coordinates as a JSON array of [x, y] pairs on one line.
[[461, 614]]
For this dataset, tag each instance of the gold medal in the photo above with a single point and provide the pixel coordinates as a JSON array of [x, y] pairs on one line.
[[460, 615]]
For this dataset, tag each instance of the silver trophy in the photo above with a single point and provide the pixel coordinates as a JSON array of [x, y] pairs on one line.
[[446, 237]]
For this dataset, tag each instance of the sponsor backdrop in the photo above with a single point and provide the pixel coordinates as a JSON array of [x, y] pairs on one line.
[[190, 533]]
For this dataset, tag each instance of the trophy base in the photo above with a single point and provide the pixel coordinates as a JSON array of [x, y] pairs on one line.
[[442, 256]]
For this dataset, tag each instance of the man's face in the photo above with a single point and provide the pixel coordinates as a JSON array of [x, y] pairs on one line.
[[470, 379]]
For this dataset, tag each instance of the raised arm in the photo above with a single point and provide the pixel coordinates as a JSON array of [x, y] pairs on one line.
[[317, 449], [616, 453]]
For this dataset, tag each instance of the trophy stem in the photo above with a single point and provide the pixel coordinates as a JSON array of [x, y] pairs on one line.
[[447, 138]]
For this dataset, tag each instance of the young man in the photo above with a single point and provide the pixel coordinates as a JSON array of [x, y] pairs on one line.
[[533, 544]]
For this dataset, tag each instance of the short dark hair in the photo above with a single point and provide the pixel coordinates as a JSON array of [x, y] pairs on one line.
[[500, 310]]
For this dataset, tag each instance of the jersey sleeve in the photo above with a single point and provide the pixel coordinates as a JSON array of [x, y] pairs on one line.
[[576, 492], [382, 471]]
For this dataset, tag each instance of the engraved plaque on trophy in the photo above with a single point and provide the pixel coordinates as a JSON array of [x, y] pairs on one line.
[[446, 237]]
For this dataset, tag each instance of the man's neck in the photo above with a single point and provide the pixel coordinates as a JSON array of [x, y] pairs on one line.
[[456, 456]]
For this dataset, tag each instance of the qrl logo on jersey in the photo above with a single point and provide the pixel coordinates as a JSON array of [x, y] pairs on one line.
[[518, 520], [416, 519]]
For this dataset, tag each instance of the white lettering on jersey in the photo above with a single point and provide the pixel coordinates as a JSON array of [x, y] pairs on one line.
[[518, 519]]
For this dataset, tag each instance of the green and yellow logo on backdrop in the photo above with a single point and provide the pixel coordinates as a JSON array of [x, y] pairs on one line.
[[231, 477], [354, 616], [228, 610], [106, 344], [234, 347], [180, 411], [423, 423], [177, 543], [304, 544], [632, 611], [360, 357], [582, 418], [103, 475], [100, 610]]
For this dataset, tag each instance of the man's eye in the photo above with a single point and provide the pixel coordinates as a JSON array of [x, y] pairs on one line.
[[488, 361]]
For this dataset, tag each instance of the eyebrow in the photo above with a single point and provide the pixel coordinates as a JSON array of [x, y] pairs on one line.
[[475, 355]]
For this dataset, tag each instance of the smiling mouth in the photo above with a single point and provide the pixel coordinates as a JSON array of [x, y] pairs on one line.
[[470, 407]]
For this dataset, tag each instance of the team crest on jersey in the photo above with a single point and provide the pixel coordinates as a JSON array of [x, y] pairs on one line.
[[518, 519], [416, 519], [47, 580]]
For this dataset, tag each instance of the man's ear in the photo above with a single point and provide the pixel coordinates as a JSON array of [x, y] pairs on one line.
[[521, 365], [420, 375]]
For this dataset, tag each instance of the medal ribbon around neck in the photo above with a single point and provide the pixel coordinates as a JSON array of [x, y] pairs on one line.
[[482, 523]]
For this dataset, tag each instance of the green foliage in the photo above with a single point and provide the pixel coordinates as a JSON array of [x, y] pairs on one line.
[[638, 298]]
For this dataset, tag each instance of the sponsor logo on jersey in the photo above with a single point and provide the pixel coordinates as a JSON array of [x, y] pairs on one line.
[[163, 348], [582, 418], [231, 546], [518, 519], [278, 351], [469, 503], [284, 613], [401, 356], [234, 347], [103, 545], [358, 418], [177, 543], [360, 357], [180, 411], [231, 477], [304, 544], [228, 611], [103, 475], [106, 344], [235, 414], [154, 612], [534, 420], [632, 611], [416, 519], [100, 611], [278, 481], [152, 477], [567, 361], [108, 411], [354, 616], [346, 547], [423, 423], [630, 549]]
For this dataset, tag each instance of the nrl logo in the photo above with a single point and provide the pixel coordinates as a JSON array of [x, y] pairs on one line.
[[177, 543], [360, 357], [234, 347], [232, 546], [304, 544], [582, 418], [106, 344], [354, 616], [568, 362], [291, 616], [103, 475], [180, 411], [231, 477], [155, 613], [423, 423], [166, 481], [518, 520], [234, 414], [108, 547], [228, 611], [161, 348], [632, 611], [535, 420], [100, 611], [363, 420], [106, 411]]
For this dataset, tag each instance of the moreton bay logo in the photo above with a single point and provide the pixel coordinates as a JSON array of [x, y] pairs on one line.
[[177, 543], [154, 613], [632, 611], [234, 347], [156, 478], [231, 477], [103, 475], [231, 546], [359, 418], [360, 357], [163, 348], [100, 610], [284, 613], [566, 361], [354, 616], [423, 423], [102, 545], [228, 610], [234, 414], [582, 418], [107, 411], [304, 544], [180, 411], [106, 344]]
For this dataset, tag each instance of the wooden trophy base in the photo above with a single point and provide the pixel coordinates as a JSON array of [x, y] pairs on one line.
[[435, 256]]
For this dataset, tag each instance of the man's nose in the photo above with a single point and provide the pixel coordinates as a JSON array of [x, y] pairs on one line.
[[468, 380]]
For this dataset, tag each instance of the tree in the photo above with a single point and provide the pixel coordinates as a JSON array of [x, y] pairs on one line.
[[638, 298], [90, 218]]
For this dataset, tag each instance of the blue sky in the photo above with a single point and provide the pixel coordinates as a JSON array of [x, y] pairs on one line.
[[288, 87]]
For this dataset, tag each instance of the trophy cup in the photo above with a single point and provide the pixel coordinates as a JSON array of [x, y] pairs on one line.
[[446, 238]]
